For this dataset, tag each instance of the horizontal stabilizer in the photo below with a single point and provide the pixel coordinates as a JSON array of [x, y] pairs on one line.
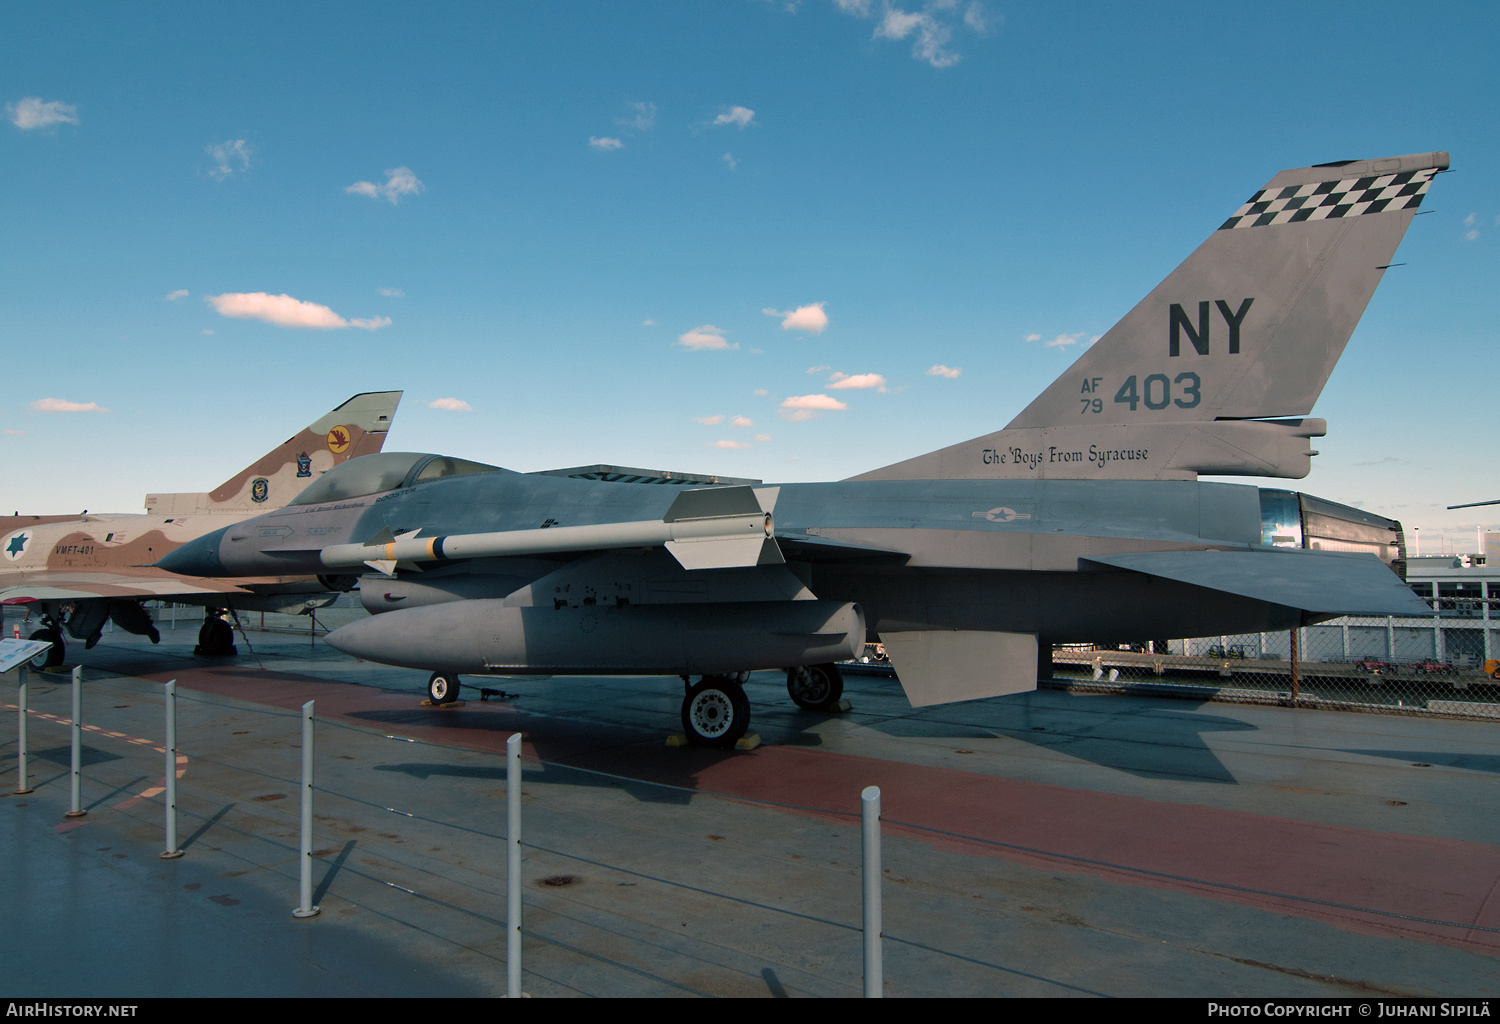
[[1322, 582], [948, 665]]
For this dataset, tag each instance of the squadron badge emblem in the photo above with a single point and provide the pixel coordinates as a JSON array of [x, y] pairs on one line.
[[304, 465], [259, 489], [338, 440]]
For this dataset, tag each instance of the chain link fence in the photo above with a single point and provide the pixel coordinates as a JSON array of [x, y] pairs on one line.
[[1448, 663]]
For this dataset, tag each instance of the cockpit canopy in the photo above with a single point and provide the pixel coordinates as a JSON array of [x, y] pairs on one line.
[[384, 471]]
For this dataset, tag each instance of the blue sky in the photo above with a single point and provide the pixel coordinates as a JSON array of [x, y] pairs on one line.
[[599, 225]]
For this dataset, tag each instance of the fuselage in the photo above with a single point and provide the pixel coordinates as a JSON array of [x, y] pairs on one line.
[[940, 554]]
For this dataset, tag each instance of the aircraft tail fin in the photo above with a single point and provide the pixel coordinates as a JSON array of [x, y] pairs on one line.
[[357, 427], [1217, 368]]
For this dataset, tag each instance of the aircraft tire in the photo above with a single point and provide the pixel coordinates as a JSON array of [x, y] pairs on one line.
[[51, 656], [715, 712], [815, 687], [442, 688], [215, 639]]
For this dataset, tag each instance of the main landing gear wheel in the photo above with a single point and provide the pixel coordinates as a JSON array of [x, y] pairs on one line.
[[715, 713], [52, 655], [215, 639], [442, 688], [815, 687]]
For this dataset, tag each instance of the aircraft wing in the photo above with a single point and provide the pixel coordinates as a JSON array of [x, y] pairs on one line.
[[1323, 582], [77, 586]]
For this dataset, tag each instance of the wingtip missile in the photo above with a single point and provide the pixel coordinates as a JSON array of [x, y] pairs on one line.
[[705, 528]]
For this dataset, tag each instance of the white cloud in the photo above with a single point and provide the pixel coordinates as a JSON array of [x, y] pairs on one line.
[[809, 318], [399, 181], [605, 143], [1471, 235], [391, 293], [31, 113], [13, 433], [763, 437], [818, 369], [931, 35], [648, 323], [930, 29], [180, 293], [944, 371], [858, 381], [1033, 337], [709, 421], [641, 120], [1063, 340], [1470, 219], [285, 311], [207, 331], [733, 444], [761, 392], [729, 159], [739, 116], [705, 337], [741, 421], [63, 405], [803, 407], [451, 404], [226, 155]]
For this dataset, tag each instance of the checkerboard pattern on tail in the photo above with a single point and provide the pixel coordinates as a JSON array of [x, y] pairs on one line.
[[1327, 200]]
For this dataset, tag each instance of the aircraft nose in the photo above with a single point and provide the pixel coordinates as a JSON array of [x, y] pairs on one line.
[[199, 557]]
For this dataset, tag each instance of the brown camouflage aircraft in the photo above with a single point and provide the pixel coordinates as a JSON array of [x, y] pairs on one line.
[[77, 572]]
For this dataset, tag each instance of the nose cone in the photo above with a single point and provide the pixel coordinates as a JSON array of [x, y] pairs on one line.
[[199, 557]]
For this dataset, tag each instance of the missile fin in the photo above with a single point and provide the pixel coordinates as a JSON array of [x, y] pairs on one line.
[[714, 502], [728, 553]]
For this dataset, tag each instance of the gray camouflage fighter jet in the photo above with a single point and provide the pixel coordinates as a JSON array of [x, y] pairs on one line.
[[78, 572], [1083, 520]]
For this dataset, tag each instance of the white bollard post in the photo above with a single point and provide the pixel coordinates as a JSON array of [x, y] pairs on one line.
[[305, 907], [77, 787], [874, 965], [513, 866], [21, 788], [171, 852]]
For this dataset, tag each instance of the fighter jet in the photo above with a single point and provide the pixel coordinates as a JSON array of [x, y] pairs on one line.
[[1082, 521], [77, 572]]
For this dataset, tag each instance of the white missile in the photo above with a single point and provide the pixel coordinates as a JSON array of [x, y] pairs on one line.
[[709, 528]]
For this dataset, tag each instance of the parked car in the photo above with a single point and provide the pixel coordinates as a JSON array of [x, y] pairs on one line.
[[1441, 668]]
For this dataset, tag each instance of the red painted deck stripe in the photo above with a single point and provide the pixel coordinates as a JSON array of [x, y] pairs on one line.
[[1416, 876]]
